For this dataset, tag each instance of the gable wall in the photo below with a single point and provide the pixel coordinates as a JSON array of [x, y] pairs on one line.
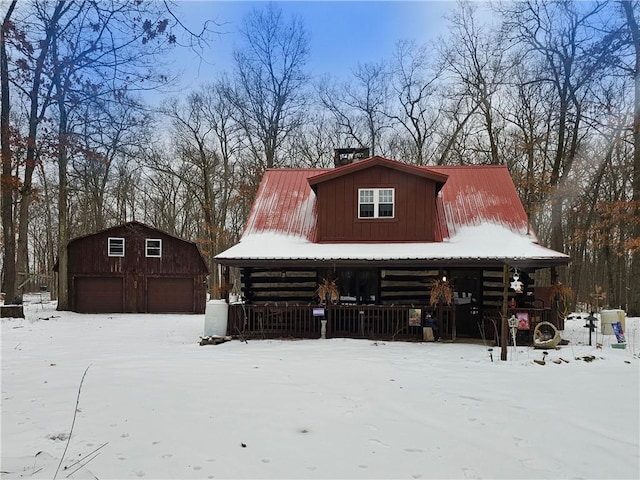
[[89, 254], [337, 203]]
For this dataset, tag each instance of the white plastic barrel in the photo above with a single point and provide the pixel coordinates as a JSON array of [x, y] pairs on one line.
[[216, 314], [607, 317]]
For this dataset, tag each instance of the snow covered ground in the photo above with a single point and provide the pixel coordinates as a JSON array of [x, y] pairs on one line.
[[156, 404]]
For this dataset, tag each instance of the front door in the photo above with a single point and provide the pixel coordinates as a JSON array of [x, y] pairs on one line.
[[467, 288]]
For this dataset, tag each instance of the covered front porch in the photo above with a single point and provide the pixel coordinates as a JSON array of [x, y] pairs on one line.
[[375, 322], [386, 301]]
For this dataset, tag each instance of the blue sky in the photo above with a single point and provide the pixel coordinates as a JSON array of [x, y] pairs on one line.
[[342, 33]]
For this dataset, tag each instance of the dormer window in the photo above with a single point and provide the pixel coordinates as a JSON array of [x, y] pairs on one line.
[[115, 247], [153, 247], [376, 202]]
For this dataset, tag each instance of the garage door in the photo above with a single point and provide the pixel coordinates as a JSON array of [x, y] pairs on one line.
[[169, 295], [99, 295]]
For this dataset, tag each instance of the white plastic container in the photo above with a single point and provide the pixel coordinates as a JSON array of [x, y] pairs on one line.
[[607, 317], [216, 315]]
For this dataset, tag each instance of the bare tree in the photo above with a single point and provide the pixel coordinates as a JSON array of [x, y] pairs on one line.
[[270, 79], [631, 12], [528, 108], [414, 83], [569, 38], [35, 55], [360, 105], [475, 57], [7, 181], [313, 145], [206, 140]]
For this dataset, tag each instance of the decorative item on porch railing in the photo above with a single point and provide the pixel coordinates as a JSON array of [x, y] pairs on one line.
[[328, 292], [441, 292]]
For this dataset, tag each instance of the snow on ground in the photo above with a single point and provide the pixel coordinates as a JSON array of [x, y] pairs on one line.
[[155, 404]]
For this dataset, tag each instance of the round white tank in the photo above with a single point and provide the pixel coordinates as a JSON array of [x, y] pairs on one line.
[[607, 317], [215, 318]]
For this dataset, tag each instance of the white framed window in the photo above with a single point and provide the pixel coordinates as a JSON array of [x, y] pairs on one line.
[[115, 247], [153, 247], [376, 202]]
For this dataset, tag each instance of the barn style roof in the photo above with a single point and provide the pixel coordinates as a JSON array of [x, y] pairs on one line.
[[141, 226], [479, 218]]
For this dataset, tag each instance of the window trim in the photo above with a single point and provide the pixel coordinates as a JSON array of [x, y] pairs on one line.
[[376, 203], [159, 247], [111, 243]]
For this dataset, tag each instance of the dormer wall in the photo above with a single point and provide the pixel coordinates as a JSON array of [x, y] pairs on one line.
[[414, 207]]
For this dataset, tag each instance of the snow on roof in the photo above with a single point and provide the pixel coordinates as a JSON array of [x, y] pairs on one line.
[[482, 243], [479, 216], [481, 194]]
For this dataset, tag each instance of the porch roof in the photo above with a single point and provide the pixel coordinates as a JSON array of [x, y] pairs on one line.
[[483, 244]]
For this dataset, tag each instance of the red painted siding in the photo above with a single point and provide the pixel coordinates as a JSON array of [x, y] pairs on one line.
[[337, 207], [88, 258]]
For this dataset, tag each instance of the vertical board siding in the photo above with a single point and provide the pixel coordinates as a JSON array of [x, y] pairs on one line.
[[414, 216], [88, 257]]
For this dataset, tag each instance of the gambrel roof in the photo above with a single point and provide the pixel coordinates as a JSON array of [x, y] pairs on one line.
[[480, 218]]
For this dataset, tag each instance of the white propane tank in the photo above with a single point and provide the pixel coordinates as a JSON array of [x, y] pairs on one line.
[[607, 317], [215, 318]]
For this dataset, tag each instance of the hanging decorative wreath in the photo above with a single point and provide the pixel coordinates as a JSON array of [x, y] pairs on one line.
[[328, 291], [441, 292]]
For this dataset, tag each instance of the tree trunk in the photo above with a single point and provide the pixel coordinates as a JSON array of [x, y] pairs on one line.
[[634, 282], [7, 180], [63, 216], [62, 154], [35, 116]]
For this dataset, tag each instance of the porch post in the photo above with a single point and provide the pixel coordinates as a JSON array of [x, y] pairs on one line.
[[503, 325]]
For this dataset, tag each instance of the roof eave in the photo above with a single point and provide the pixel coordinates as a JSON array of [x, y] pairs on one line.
[[439, 178], [520, 262]]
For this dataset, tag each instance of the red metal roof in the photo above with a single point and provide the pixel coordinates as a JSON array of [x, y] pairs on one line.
[[479, 194], [286, 204]]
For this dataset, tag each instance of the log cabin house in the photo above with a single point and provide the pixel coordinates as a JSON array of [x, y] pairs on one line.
[[384, 233], [135, 268]]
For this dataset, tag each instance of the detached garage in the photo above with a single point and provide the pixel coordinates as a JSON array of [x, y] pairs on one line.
[[135, 268]]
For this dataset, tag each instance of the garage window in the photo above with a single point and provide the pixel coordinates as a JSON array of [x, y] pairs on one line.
[[153, 247], [116, 247]]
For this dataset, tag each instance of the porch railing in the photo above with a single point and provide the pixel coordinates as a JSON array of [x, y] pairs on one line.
[[375, 322], [263, 321]]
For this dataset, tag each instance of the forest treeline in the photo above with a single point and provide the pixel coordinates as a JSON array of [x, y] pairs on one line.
[[548, 88]]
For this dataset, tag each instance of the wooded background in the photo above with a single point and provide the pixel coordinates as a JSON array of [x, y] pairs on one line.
[[549, 88]]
